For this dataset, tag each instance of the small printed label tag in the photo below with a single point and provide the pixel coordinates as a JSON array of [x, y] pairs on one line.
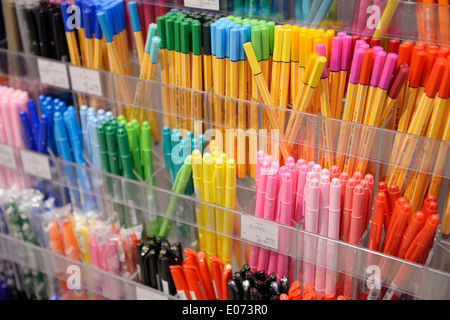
[[7, 157], [144, 294], [53, 73], [259, 231], [203, 4], [36, 164], [85, 80]]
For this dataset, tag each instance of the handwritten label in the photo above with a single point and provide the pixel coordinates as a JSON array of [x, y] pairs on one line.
[[144, 294], [53, 73], [259, 231], [85, 80], [36, 164], [7, 157], [203, 4]]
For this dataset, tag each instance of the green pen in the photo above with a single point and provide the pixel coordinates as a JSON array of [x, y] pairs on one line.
[[127, 164], [104, 156], [114, 167], [179, 187], [133, 142], [121, 119]]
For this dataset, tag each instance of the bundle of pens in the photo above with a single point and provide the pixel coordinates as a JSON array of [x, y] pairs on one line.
[[18, 210], [407, 235], [322, 201]]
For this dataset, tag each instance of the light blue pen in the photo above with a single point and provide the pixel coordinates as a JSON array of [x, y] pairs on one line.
[[62, 141], [322, 12], [72, 111], [108, 115], [167, 148], [96, 160], [84, 130], [72, 128]]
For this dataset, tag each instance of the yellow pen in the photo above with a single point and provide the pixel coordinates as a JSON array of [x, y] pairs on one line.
[[230, 198], [219, 188], [276, 64], [208, 186], [199, 193]]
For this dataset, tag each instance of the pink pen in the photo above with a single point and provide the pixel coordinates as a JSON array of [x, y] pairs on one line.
[[341, 34], [95, 261], [299, 163], [357, 176], [260, 155], [316, 170], [285, 218], [356, 230], [309, 177], [348, 203], [333, 233], [288, 160], [269, 208], [311, 164], [301, 180], [282, 170], [113, 266], [3, 175], [323, 231], [334, 172], [343, 179], [312, 226], [259, 208], [292, 169]]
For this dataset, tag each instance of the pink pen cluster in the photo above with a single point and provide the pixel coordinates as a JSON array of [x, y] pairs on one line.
[[321, 202], [12, 101]]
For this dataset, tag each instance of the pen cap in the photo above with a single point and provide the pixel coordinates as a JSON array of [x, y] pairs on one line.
[[221, 39], [417, 65], [428, 67], [356, 65], [88, 27], [335, 57], [152, 30], [170, 33], [234, 44], [134, 17], [154, 50], [444, 88], [346, 52], [161, 28], [319, 65], [401, 76], [324, 190], [286, 188], [265, 51], [256, 41], [405, 52], [388, 70], [422, 238], [278, 43], [433, 81], [252, 60], [377, 69], [321, 51], [104, 26]]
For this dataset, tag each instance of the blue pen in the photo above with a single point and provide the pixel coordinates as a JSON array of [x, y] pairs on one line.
[[108, 115], [34, 118], [62, 141], [72, 128], [306, 7], [27, 133], [41, 99], [72, 111], [313, 10], [41, 143]]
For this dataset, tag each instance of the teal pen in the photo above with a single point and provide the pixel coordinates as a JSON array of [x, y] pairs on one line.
[[167, 148], [175, 139], [202, 139]]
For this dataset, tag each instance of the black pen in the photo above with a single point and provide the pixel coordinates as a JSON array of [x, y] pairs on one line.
[[33, 29]]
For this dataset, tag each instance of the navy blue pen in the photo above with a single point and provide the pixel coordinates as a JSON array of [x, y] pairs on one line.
[[34, 118], [42, 134], [27, 133]]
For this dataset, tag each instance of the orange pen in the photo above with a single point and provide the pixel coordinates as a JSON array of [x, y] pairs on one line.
[[180, 282], [376, 225], [398, 204], [343, 178], [426, 203], [414, 227], [416, 249], [432, 208], [394, 194], [382, 187], [284, 296], [398, 228], [295, 291], [205, 274], [69, 240], [227, 275], [194, 281], [310, 294], [216, 272], [347, 212]]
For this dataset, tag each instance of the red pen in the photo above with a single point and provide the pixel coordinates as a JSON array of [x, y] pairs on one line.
[[428, 199], [414, 227], [180, 282], [194, 281], [295, 291], [376, 225], [432, 208], [374, 42], [394, 194], [227, 275], [400, 201], [216, 272], [393, 46], [382, 187], [205, 274], [358, 176], [284, 296], [347, 212], [413, 254], [398, 229]]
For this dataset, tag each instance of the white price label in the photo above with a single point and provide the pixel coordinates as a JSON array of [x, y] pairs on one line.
[[203, 4], [259, 231], [144, 294], [7, 157], [36, 164], [85, 80], [53, 73]]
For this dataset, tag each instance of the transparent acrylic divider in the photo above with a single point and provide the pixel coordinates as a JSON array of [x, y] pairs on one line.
[[348, 266], [167, 103], [404, 20]]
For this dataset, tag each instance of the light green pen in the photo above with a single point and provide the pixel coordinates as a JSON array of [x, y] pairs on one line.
[[147, 166], [179, 187], [133, 142]]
